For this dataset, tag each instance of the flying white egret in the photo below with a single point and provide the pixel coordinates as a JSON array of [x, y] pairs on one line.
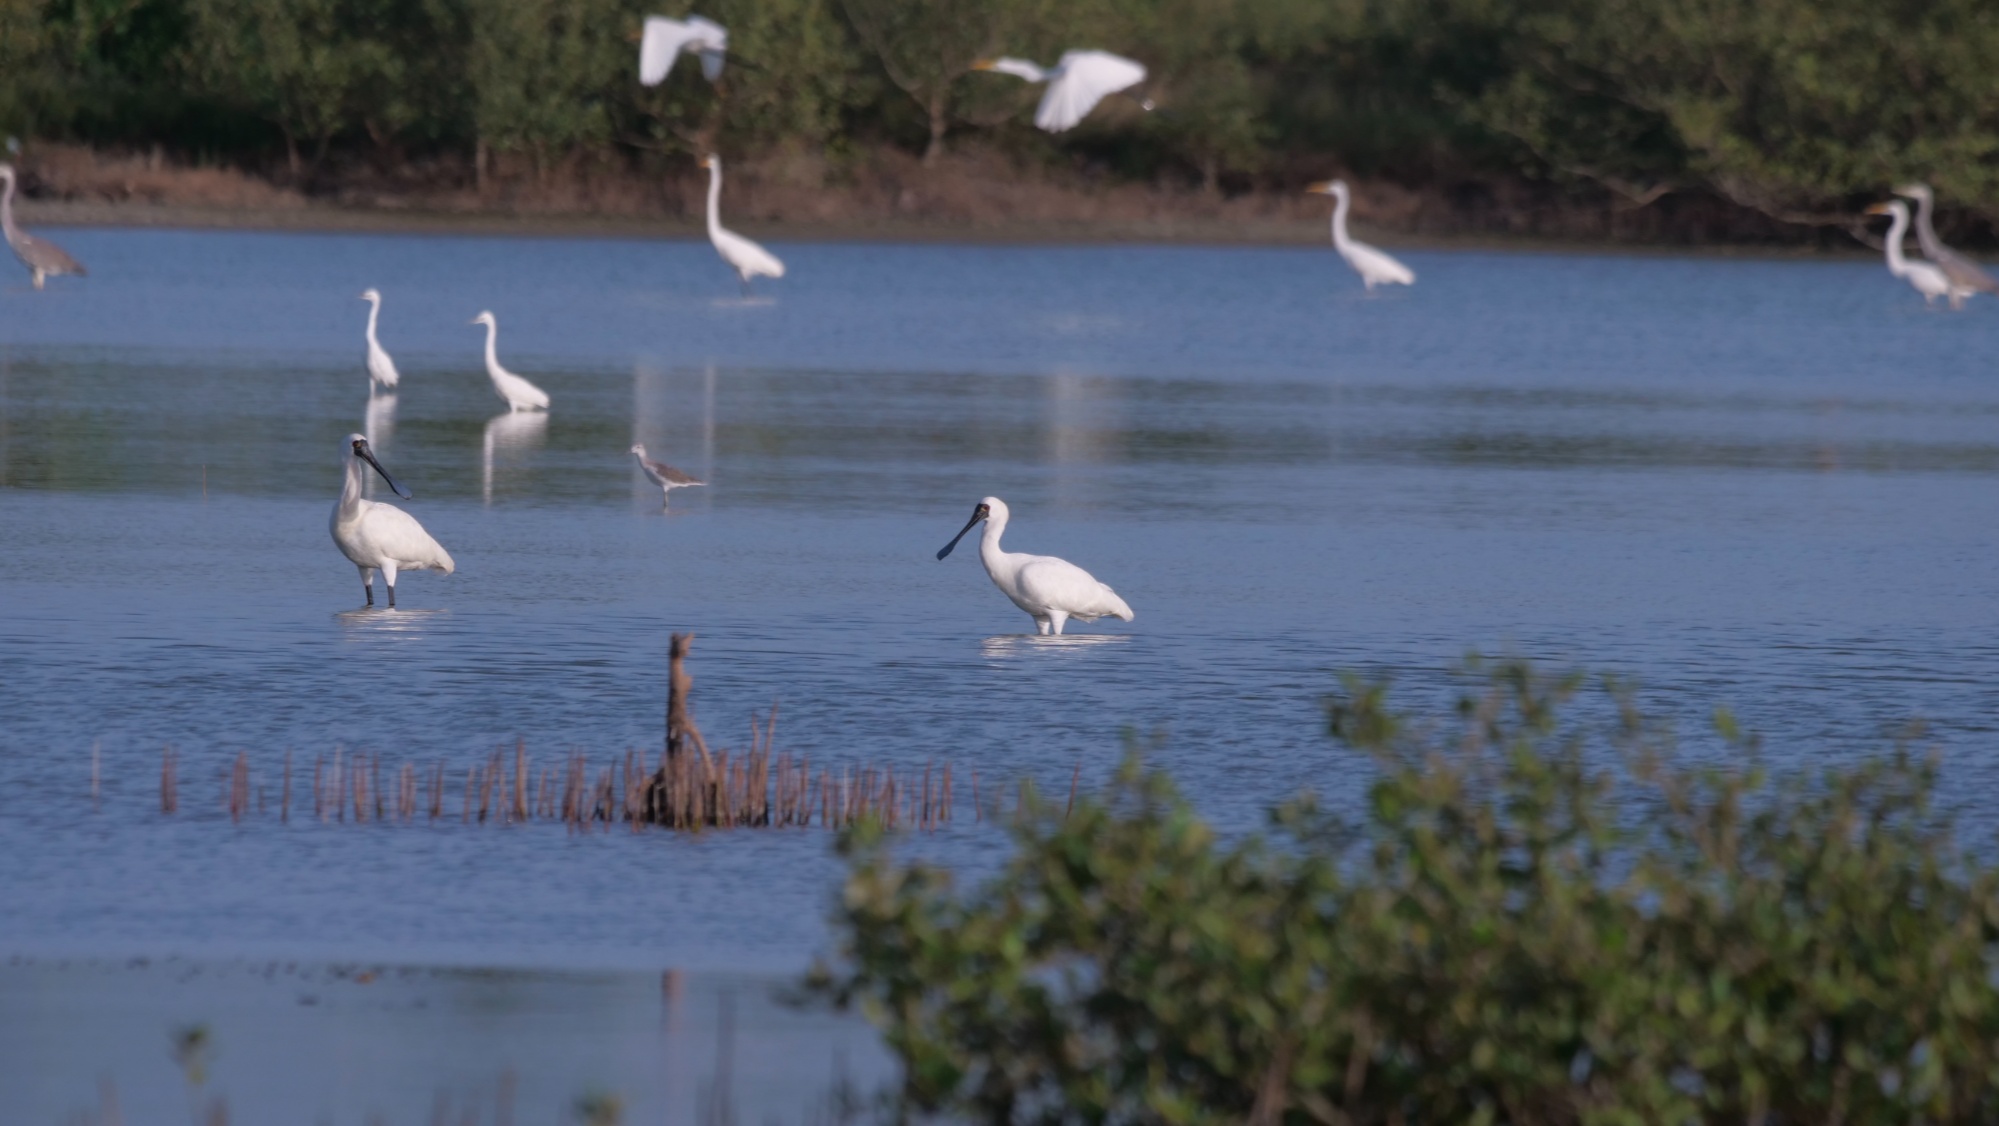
[[665, 476], [1967, 278], [1076, 84], [1051, 590], [663, 40], [1373, 266], [376, 535], [1928, 279], [42, 257], [519, 393], [381, 369], [748, 259]]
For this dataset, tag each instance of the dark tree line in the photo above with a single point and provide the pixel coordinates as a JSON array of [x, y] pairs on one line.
[[1792, 108]]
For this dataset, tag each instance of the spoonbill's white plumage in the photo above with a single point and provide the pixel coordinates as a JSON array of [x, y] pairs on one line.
[[665, 476], [1076, 83], [1927, 278], [519, 394], [43, 258], [664, 39], [1374, 266], [1967, 278], [1051, 590], [380, 536], [748, 259], [381, 369]]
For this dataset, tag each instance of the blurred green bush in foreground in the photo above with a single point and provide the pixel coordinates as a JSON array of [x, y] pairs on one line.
[[1794, 109], [1533, 922]]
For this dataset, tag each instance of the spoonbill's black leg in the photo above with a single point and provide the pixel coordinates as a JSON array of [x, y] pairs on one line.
[[392, 596]]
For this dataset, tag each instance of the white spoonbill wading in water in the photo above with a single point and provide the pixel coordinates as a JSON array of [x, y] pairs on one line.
[[381, 369], [748, 259], [660, 473], [44, 258], [1927, 279], [1373, 266], [1076, 84], [1967, 278], [519, 394], [376, 535], [1051, 590], [663, 40]]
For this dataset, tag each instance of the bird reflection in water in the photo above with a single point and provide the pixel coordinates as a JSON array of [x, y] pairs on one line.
[[380, 427], [1032, 644], [402, 624], [510, 437]]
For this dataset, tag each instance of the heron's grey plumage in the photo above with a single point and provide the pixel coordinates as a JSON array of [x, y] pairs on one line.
[[665, 476], [1963, 272], [44, 258]]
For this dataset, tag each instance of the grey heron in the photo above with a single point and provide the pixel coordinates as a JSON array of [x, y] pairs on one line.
[[1927, 278], [665, 476], [43, 257], [1966, 277]]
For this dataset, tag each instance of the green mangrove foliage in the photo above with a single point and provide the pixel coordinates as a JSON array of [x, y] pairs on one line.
[[1534, 921], [1794, 108]]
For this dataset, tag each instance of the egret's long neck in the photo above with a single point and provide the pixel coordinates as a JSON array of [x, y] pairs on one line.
[[374, 311], [714, 199], [1926, 232], [7, 209], [492, 350], [1340, 220], [1897, 227]]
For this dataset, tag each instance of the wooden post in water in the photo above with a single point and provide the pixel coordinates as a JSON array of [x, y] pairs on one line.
[[677, 685]]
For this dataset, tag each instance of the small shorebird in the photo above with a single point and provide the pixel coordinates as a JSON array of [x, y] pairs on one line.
[[1051, 590], [374, 535], [1076, 83], [1373, 266], [381, 369], [520, 395], [747, 258], [44, 258], [1926, 277], [660, 473]]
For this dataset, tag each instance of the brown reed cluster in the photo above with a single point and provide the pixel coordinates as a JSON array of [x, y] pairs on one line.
[[692, 787]]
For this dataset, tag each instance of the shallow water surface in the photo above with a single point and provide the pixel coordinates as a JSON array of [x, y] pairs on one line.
[[1766, 484]]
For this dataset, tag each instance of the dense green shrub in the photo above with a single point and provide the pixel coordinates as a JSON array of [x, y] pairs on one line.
[[1532, 922]]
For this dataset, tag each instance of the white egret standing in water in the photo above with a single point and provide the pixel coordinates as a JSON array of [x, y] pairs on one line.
[[381, 369], [1927, 279], [1374, 266], [519, 394], [748, 259], [1967, 278], [1076, 84], [665, 476], [42, 258], [664, 39], [381, 536], [1051, 590]]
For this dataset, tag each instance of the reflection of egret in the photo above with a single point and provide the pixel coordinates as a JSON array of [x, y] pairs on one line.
[[1373, 266], [381, 369], [1076, 84], [1927, 279], [42, 257], [520, 395], [663, 40], [748, 259], [380, 535], [1016, 645], [1051, 590], [1967, 278], [380, 426], [510, 435], [665, 476]]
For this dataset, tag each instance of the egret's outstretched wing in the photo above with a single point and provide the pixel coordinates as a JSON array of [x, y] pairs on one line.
[[1082, 79], [664, 39]]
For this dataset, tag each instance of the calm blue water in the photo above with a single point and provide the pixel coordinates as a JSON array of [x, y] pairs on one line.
[[1767, 484]]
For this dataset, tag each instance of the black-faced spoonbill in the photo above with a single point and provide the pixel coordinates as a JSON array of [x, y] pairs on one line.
[[44, 258], [1076, 83], [747, 258], [1373, 266], [660, 473], [520, 395], [1051, 590], [380, 535], [381, 369]]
